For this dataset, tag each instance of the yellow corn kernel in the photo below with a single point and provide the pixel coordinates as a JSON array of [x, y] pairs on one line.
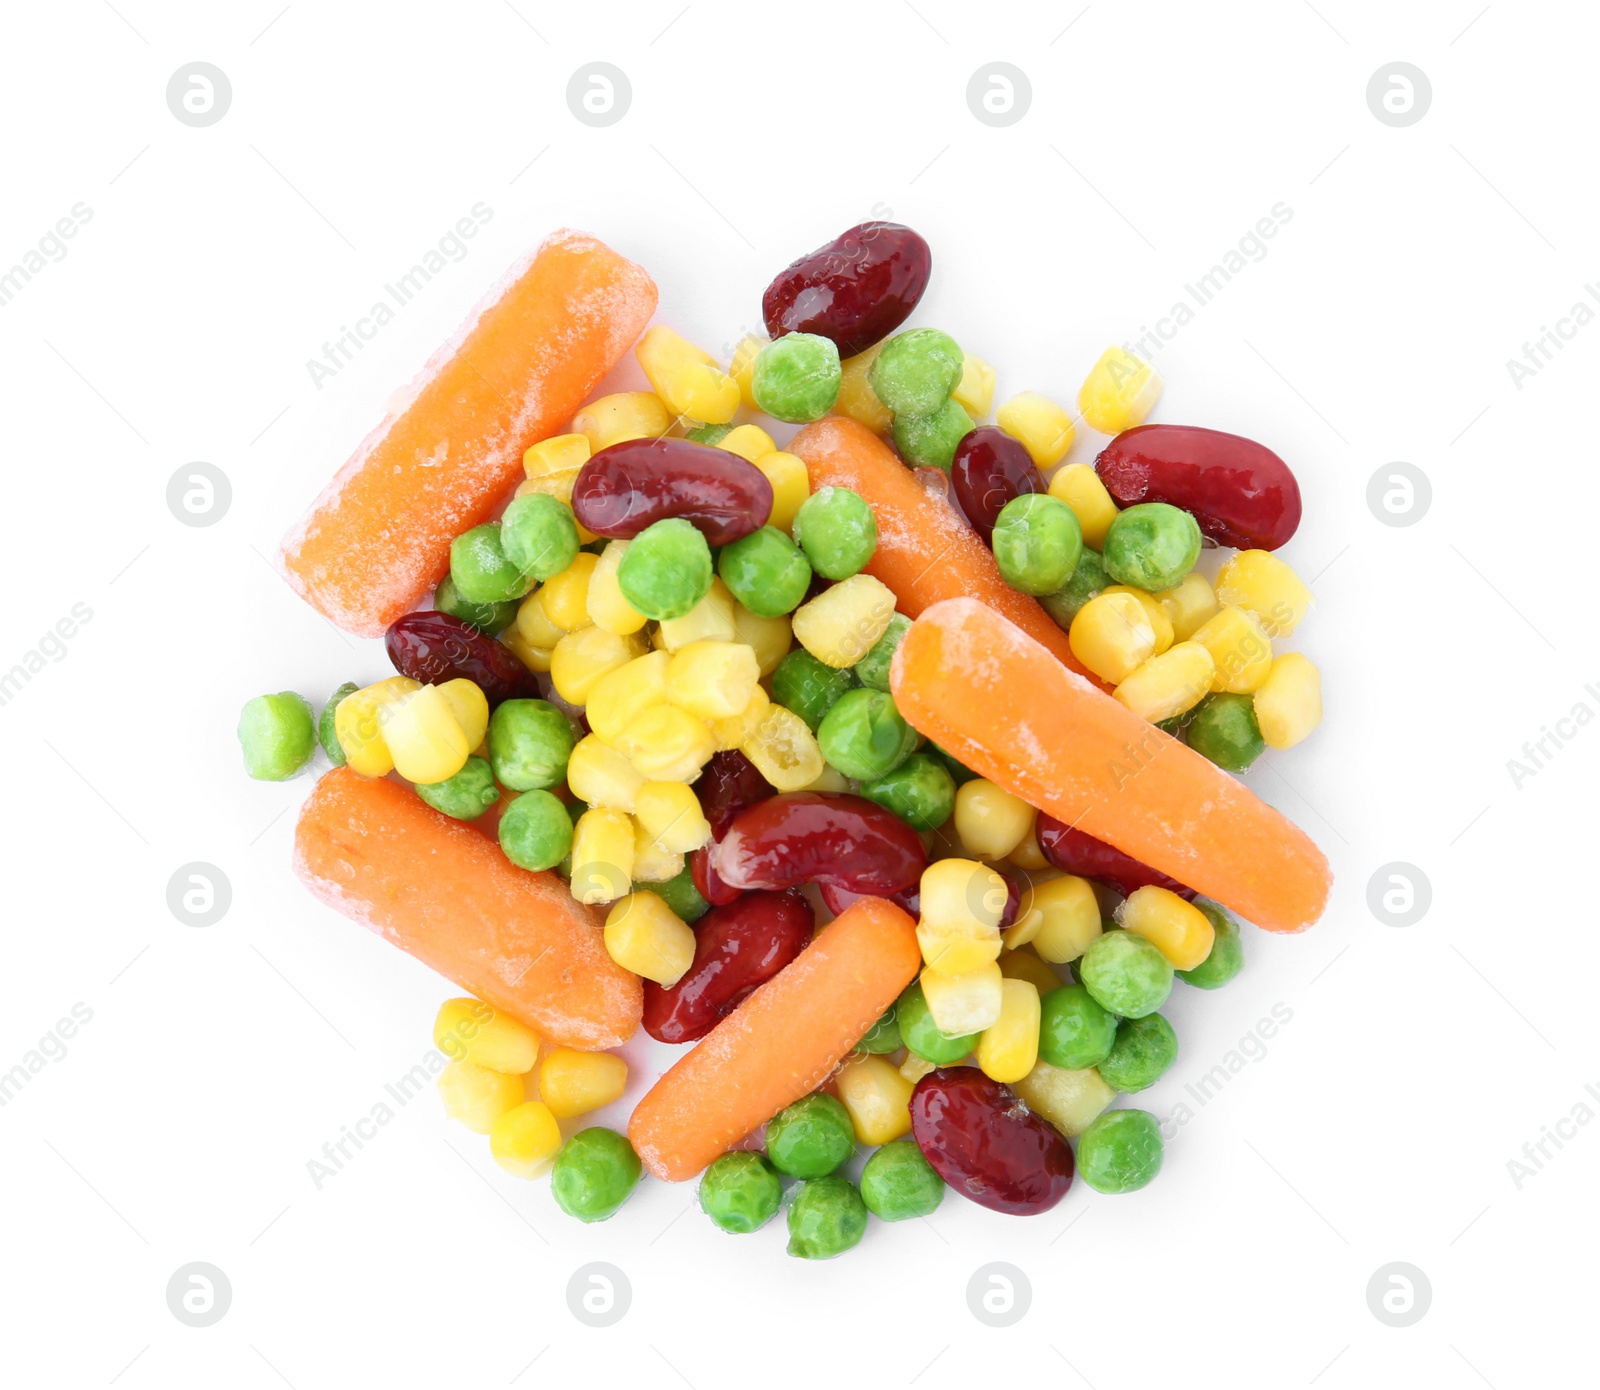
[[1044, 429], [961, 1004], [1119, 392], [1266, 588], [914, 1068], [857, 399], [878, 1098], [784, 750], [1288, 703], [1008, 1047], [574, 1083], [1112, 635], [743, 366], [1240, 648], [619, 697], [599, 774], [667, 744], [1189, 606], [843, 623], [1024, 964], [582, 658], [687, 378], [533, 622], [769, 638], [957, 946], [738, 729], [1027, 855], [534, 658], [468, 1030], [710, 620], [651, 863], [750, 442], [602, 855], [1168, 684], [423, 738], [1178, 929], [525, 1140], [626, 415], [669, 813], [1160, 620], [791, 485], [1070, 917], [468, 707], [974, 393], [604, 602], [1070, 1100], [561, 453], [1079, 486], [646, 936], [712, 680], [962, 890], [477, 1096], [359, 724], [566, 596], [989, 820]]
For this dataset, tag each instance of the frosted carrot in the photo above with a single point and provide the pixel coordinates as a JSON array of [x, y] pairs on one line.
[[379, 537], [992, 697], [780, 1044], [442, 891]]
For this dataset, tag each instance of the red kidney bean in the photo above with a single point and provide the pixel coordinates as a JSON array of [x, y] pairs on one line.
[[736, 948], [729, 784], [1240, 492], [1074, 852], [982, 1139], [629, 486], [836, 899], [821, 837], [857, 289], [435, 647], [989, 469], [706, 881]]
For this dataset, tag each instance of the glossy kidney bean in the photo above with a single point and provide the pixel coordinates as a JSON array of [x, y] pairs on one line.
[[729, 784], [982, 1139], [857, 289], [629, 486], [991, 468], [821, 837], [736, 948], [1240, 492], [435, 647], [706, 880], [1074, 852]]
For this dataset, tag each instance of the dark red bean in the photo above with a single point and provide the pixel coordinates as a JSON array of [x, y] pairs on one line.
[[629, 486], [736, 948], [1240, 492], [1074, 852], [836, 899], [982, 1139], [706, 881], [821, 837], [989, 469], [434, 648], [857, 289], [729, 784]]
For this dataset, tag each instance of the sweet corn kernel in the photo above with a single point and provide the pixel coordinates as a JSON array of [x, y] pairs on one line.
[[667, 744], [477, 1096], [1027, 855], [602, 855], [957, 946], [1168, 684], [534, 658], [561, 453], [646, 936], [974, 393], [710, 620], [791, 485], [626, 415], [989, 819], [1008, 1047], [468, 1030], [1044, 429], [574, 1083], [1160, 620], [830, 779], [1241, 649], [1189, 606], [1024, 964], [1079, 486], [743, 366], [961, 1004], [468, 707], [1070, 1100], [1288, 703], [914, 1068], [687, 378], [750, 442], [1070, 915], [525, 1140], [582, 658], [604, 602], [621, 696], [651, 863], [843, 623], [712, 680], [566, 596], [1266, 588], [533, 622], [599, 774], [960, 891], [1178, 929], [423, 737], [360, 720], [857, 399], [784, 750], [1112, 635], [769, 638], [878, 1098], [1022, 931], [1119, 392], [738, 729], [669, 813]]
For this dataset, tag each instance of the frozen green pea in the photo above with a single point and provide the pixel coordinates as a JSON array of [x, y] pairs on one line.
[[667, 569], [278, 736], [864, 735], [920, 791], [1126, 974], [1120, 1151], [594, 1174], [812, 1137], [1075, 1031], [467, 795], [826, 1218], [1151, 545], [327, 733], [837, 530], [539, 535], [807, 686], [486, 617], [922, 1035], [680, 894], [709, 434], [1226, 959], [796, 377], [916, 371], [929, 441], [899, 1183], [1144, 1049], [536, 831], [1224, 729], [740, 1192], [480, 569], [529, 744], [765, 571], [1037, 542], [883, 1036], [873, 669], [1089, 577]]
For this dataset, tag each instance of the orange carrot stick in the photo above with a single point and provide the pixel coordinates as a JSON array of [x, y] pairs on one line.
[[379, 538], [989, 695], [780, 1044], [443, 892]]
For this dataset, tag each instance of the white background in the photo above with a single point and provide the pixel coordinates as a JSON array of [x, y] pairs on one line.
[[1378, 1125]]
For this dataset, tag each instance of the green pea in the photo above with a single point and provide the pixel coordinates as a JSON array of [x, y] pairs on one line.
[[960, 773], [709, 434], [1075, 1031], [873, 669], [1120, 1151], [1151, 545], [922, 1034], [680, 894], [807, 686], [480, 569], [1224, 729], [740, 1192], [812, 1137], [1126, 974], [539, 535], [1037, 541], [1088, 579], [765, 571], [864, 735], [486, 617], [667, 569], [594, 1174], [536, 831], [1227, 951], [899, 1183], [278, 736], [826, 1218], [467, 795], [327, 733], [916, 371], [1144, 1049], [837, 530], [883, 1036], [529, 744], [796, 377], [929, 441], [920, 791]]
